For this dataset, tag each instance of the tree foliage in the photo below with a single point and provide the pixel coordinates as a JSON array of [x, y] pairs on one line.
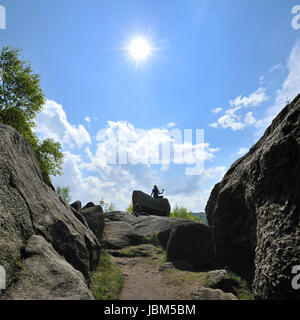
[[183, 213], [64, 193], [130, 207], [20, 86], [21, 98]]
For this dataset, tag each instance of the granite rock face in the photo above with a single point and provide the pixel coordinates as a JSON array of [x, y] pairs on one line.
[[146, 226], [192, 242], [45, 275], [254, 212], [29, 207], [95, 219]]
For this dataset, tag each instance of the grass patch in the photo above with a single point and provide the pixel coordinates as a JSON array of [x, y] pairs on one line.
[[181, 277], [160, 257], [107, 280], [152, 239], [144, 250]]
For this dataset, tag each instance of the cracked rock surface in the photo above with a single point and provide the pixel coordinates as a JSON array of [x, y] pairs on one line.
[[29, 207]]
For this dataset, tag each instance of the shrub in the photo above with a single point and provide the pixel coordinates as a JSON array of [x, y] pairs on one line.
[[182, 213]]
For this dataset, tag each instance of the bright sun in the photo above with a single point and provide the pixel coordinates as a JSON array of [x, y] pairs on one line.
[[139, 49]]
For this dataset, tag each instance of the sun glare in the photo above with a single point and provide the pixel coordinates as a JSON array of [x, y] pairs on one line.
[[139, 49]]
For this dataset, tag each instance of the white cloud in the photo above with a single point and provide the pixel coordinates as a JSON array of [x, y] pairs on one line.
[[87, 119], [195, 203], [88, 188], [230, 120], [276, 67], [191, 194], [216, 110], [171, 124], [249, 119], [52, 123], [290, 89], [143, 146], [214, 125], [254, 99]]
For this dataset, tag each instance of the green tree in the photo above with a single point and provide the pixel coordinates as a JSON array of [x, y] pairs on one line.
[[107, 207], [19, 88], [50, 158], [21, 98], [130, 207], [183, 213], [64, 193]]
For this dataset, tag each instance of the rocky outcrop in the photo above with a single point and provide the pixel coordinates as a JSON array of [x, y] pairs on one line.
[[118, 235], [29, 207], [203, 293], [88, 205], [149, 205], [147, 226], [192, 242], [95, 219], [91, 216], [188, 244], [76, 205], [221, 279], [142, 250], [45, 275], [254, 210], [79, 216]]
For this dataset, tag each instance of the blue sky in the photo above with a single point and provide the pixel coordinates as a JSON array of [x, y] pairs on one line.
[[225, 66]]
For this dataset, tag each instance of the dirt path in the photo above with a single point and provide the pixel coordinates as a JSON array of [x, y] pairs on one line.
[[144, 281]]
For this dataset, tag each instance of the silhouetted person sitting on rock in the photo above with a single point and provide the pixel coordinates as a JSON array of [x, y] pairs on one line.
[[156, 194]]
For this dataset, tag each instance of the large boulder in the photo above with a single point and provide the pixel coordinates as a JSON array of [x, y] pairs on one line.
[[95, 219], [221, 279], [254, 210], [76, 205], [157, 207], [192, 242], [118, 235], [88, 205], [203, 293], [28, 207], [45, 275]]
